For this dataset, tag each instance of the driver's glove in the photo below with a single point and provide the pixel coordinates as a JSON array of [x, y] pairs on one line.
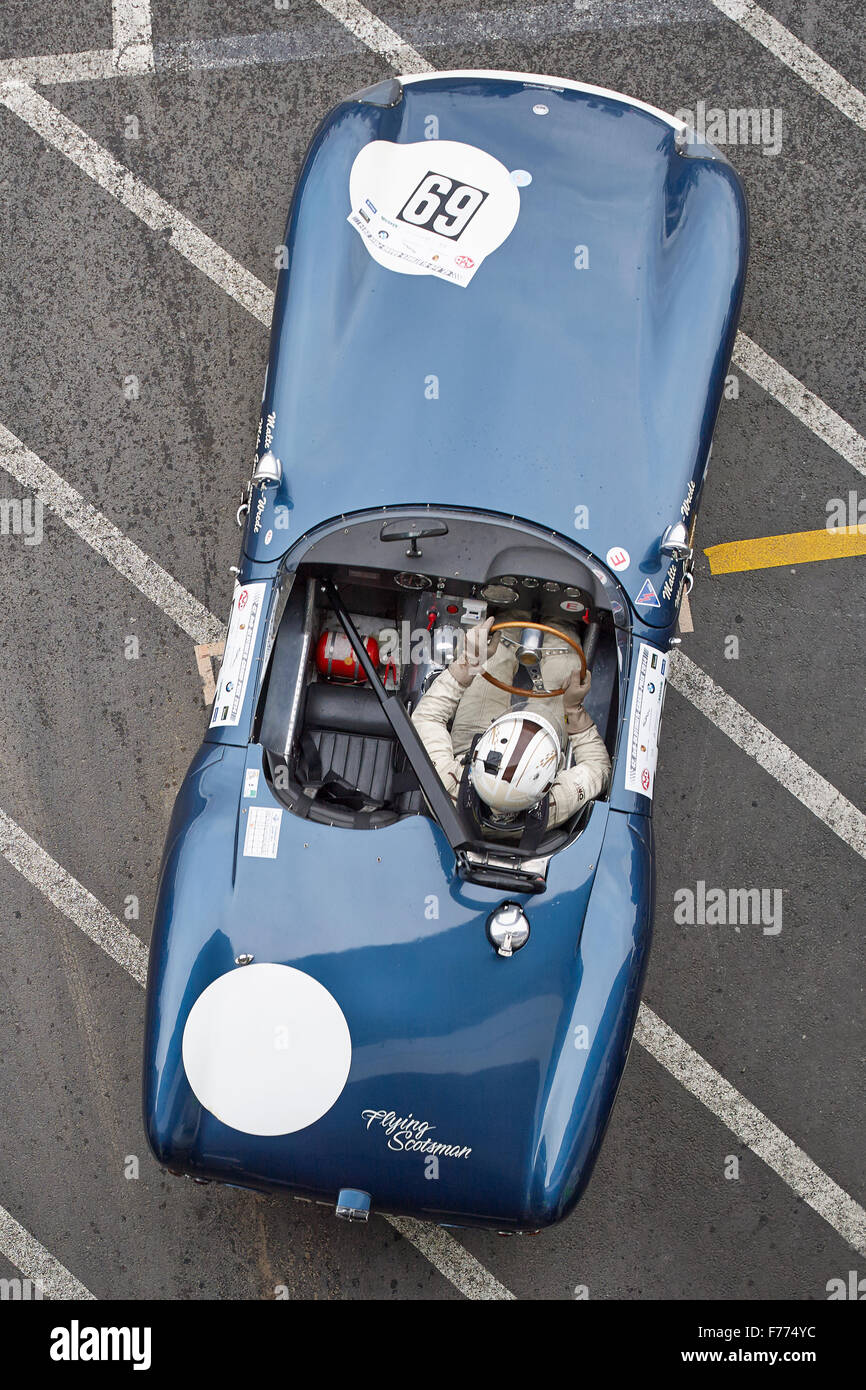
[[576, 691], [478, 646]]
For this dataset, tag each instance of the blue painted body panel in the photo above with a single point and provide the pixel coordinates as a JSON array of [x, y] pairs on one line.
[[558, 387], [442, 1028]]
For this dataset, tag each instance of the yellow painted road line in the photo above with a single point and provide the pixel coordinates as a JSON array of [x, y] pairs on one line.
[[799, 548]]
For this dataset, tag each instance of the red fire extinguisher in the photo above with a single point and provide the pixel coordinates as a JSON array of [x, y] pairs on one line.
[[336, 661]]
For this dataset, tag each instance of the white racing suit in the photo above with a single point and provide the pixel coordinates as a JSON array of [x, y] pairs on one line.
[[474, 707]]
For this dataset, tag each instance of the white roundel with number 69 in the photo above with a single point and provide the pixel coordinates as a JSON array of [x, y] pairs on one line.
[[435, 207]]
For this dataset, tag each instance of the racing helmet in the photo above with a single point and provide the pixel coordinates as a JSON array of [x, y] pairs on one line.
[[514, 763]]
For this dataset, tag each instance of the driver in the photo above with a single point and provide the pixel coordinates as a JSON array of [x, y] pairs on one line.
[[513, 756]]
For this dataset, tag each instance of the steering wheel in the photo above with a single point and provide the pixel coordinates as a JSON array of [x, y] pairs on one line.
[[540, 627]]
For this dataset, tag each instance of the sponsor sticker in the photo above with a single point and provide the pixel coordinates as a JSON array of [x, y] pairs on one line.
[[647, 699], [237, 662], [648, 596], [251, 782], [262, 836], [618, 558]]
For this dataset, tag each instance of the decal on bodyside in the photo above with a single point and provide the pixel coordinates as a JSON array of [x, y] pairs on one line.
[[618, 558], [648, 596], [237, 662], [648, 689], [405, 1134], [431, 208], [262, 836]]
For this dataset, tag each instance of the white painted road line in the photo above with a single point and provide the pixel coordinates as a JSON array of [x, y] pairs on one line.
[[112, 176], [753, 1129], [23, 1251], [108, 541], [808, 408], [72, 898], [132, 35], [451, 1259], [134, 51], [808, 786], [376, 35], [560, 20], [784, 45], [60, 67], [791, 51], [131, 22]]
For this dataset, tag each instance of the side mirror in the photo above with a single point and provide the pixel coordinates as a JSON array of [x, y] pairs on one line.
[[267, 470], [675, 542]]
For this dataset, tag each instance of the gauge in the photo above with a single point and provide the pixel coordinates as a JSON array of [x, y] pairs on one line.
[[571, 592], [499, 593], [530, 583], [409, 580], [509, 580], [551, 587]]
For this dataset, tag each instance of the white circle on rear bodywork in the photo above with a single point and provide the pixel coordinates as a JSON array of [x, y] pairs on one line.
[[267, 1049]]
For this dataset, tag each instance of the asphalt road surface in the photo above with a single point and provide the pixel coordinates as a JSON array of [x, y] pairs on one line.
[[137, 379]]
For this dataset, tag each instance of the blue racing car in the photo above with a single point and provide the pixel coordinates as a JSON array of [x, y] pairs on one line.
[[406, 900]]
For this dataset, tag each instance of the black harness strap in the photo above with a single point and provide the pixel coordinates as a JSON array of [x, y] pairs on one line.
[[535, 825], [466, 798]]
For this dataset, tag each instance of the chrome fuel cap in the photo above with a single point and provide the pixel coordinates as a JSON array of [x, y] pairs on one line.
[[508, 928]]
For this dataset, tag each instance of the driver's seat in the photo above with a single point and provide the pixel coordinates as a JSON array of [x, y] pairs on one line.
[[355, 742]]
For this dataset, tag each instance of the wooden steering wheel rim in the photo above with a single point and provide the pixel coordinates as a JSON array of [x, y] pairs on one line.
[[539, 627]]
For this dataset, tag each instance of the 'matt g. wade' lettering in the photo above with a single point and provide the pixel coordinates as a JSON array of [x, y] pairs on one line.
[[77, 1343], [408, 1135]]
